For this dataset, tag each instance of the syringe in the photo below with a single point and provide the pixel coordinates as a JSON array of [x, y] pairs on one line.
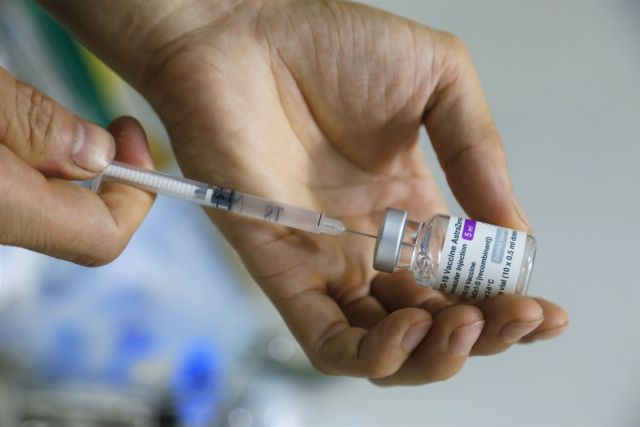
[[224, 198]]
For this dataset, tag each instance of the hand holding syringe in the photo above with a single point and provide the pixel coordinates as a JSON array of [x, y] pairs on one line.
[[225, 199]]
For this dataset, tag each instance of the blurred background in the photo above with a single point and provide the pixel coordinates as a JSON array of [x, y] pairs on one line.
[[160, 338]]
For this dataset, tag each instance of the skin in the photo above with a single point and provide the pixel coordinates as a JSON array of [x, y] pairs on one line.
[[319, 104], [39, 208]]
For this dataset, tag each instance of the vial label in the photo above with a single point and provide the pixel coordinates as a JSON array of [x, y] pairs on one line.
[[479, 260]]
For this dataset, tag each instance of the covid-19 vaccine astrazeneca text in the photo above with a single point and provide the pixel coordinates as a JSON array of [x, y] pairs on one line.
[[455, 255]]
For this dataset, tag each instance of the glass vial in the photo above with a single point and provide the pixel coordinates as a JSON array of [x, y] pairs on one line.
[[455, 255]]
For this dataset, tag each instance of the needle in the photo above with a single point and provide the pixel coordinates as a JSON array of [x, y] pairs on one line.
[[360, 233]]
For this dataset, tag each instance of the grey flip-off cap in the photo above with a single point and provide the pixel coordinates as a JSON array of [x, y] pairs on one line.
[[389, 240]]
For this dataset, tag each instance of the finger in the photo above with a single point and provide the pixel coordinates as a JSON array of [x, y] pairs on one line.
[[508, 318], [337, 348], [444, 350], [400, 290], [467, 142], [62, 219], [555, 323], [48, 137], [364, 312]]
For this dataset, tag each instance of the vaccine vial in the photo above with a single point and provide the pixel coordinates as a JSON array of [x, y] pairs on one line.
[[455, 255]]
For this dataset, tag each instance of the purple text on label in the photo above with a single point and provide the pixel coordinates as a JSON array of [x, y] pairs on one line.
[[468, 229]]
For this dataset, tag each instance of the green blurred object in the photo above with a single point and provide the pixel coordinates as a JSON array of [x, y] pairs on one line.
[[66, 55]]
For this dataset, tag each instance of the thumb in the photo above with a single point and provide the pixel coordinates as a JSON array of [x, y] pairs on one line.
[[47, 136], [468, 144]]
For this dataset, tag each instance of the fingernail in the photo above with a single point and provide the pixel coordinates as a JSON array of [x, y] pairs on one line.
[[415, 335], [464, 338], [513, 331], [523, 217], [546, 335], [94, 148]]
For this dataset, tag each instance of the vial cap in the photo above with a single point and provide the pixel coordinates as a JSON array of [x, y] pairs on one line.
[[389, 240]]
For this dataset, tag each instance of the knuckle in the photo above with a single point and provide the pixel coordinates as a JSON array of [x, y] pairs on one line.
[[38, 115], [442, 375], [457, 57], [18, 223], [6, 87], [456, 44], [461, 314], [380, 368], [526, 309], [322, 366], [382, 363]]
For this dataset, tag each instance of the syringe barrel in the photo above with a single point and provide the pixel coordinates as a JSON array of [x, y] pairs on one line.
[[268, 210], [224, 199]]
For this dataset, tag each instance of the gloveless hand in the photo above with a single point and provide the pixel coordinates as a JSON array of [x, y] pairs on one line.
[[319, 104], [43, 147]]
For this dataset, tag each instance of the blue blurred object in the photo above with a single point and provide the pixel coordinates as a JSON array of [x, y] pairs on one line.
[[67, 346], [197, 386]]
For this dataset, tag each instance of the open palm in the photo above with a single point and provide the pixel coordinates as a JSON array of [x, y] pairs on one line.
[[319, 104]]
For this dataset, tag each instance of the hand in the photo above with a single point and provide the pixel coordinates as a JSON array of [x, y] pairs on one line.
[[319, 104], [42, 147]]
